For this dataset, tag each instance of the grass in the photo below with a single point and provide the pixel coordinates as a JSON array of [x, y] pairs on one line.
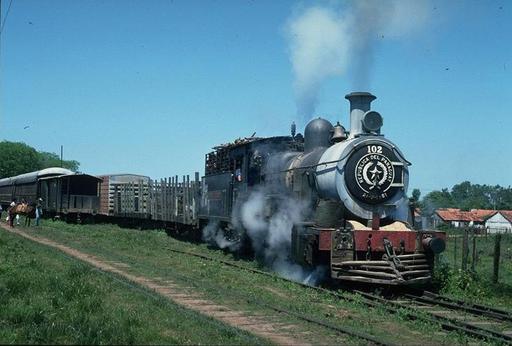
[[148, 254], [477, 285], [48, 298]]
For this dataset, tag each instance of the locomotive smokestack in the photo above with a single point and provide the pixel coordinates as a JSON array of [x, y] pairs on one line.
[[359, 105]]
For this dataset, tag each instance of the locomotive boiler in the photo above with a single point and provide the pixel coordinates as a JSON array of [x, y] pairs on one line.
[[354, 184]]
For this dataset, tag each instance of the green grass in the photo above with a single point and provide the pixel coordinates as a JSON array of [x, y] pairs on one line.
[[477, 285], [48, 298], [148, 254]]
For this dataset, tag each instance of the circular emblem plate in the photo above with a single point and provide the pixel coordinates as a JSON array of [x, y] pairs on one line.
[[372, 174]]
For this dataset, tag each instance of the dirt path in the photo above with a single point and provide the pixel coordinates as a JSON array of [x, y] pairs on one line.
[[258, 325]]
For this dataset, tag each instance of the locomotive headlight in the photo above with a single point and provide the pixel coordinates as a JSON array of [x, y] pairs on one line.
[[372, 121]]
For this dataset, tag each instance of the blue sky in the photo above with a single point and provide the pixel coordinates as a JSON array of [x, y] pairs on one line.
[[149, 87]]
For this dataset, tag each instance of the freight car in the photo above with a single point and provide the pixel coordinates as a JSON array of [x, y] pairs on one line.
[[125, 196], [64, 193]]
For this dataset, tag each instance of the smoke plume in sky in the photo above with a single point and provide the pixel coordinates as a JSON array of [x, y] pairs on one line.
[[334, 38]]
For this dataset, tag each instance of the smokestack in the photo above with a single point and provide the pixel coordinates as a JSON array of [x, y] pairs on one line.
[[359, 105]]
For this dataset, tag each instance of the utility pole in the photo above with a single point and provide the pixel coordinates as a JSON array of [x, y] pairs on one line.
[[61, 150]]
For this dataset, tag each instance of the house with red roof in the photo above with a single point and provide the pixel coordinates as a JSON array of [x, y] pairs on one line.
[[499, 222], [459, 218]]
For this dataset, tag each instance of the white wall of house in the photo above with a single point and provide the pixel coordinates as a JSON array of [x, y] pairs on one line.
[[460, 224], [498, 224]]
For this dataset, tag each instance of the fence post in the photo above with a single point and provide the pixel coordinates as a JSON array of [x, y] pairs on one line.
[[474, 259], [496, 268], [465, 249], [455, 251]]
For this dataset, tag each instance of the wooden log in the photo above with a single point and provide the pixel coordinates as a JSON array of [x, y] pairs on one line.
[[172, 199], [176, 198], [167, 212], [169, 200], [183, 208], [196, 195]]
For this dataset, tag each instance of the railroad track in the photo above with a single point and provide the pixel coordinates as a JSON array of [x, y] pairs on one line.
[[300, 316], [123, 279], [478, 321]]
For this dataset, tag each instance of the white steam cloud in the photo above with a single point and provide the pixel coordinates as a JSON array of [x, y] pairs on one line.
[[270, 233], [271, 236], [214, 235], [327, 40]]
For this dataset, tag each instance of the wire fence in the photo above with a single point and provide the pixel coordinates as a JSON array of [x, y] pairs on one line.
[[484, 252]]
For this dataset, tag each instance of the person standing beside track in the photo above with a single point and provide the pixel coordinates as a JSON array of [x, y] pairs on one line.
[[10, 211], [39, 210]]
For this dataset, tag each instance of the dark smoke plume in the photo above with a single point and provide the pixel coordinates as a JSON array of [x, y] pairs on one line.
[[330, 39]]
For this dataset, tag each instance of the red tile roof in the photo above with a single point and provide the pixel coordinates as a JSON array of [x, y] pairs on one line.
[[483, 213], [454, 214], [507, 214]]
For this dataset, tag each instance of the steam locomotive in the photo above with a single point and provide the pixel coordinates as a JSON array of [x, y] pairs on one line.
[[354, 184], [350, 187]]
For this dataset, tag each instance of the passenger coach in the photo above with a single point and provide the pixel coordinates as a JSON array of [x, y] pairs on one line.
[[63, 191]]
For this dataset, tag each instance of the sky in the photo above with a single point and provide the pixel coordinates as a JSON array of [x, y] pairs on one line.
[[149, 86]]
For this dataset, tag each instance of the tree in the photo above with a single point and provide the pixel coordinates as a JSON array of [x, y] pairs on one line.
[[18, 158], [437, 199], [416, 193], [53, 160], [467, 196]]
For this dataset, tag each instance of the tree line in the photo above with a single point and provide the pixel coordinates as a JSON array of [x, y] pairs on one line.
[[465, 196], [18, 158]]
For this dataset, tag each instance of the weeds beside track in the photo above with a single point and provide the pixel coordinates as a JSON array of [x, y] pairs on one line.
[[148, 254]]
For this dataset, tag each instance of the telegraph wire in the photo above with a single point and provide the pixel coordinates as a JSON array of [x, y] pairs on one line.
[[6, 15]]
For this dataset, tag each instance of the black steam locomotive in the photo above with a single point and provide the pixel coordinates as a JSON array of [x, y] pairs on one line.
[[353, 184], [343, 194]]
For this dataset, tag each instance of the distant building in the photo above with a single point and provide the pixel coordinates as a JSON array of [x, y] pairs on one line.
[[460, 219], [499, 222]]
